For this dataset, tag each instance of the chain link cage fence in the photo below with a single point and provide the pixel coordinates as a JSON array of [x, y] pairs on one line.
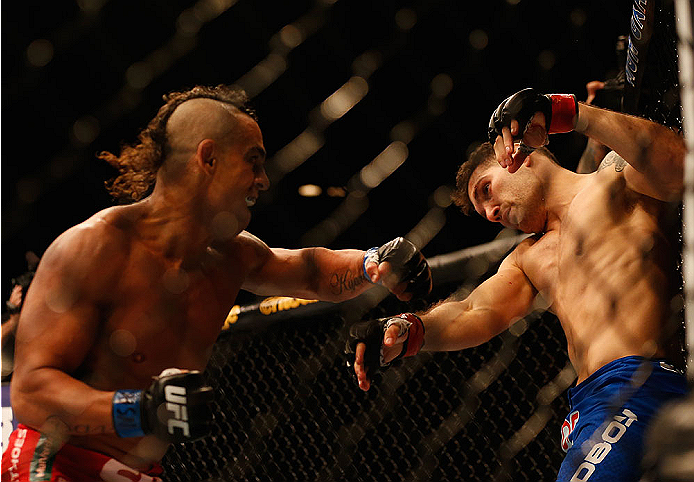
[[287, 407]]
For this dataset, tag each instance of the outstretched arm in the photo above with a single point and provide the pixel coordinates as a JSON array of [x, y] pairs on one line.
[[454, 325], [336, 275]]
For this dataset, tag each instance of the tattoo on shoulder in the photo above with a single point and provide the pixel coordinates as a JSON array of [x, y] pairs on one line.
[[613, 159]]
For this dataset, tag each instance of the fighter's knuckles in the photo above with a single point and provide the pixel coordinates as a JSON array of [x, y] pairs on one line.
[[405, 263]]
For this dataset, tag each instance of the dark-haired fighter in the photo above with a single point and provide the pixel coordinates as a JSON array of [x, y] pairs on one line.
[[599, 257], [124, 309]]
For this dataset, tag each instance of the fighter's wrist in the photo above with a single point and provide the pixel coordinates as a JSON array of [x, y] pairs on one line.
[[415, 337], [371, 255], [127, 413], [564, 113], [581, 120]]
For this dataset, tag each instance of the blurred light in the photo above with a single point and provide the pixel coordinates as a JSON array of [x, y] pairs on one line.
[[384, 164], [442, 196], [175, 280], [405, 18], [188, 22], [28, 189], [40, 52], [224, 225], [441, 85], [403, 131], [61, 167], [342, 218], [546, 59], [263, 74], [291, 36], [210, 9], [298, 150], [160, 60], [513, 2], [428, 227], [139, 75], [91, 5], [85, 130], [436, 106], [578, 17], [270, 68], [333, 191], [310, 190], [519, 327], [478, 39], [122, 342], [476, 266], [61, 296], [344, 98], [367, 63]]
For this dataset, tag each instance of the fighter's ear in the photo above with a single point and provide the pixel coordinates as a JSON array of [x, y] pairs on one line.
[[205, 154]]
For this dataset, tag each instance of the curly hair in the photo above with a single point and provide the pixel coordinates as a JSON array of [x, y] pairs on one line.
[[138, 163], [483, 153]]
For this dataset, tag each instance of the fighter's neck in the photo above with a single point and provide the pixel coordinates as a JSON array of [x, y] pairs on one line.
[[177, 230], [560, 188]]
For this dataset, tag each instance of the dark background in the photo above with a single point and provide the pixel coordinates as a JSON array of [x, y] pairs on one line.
[[60, 110]]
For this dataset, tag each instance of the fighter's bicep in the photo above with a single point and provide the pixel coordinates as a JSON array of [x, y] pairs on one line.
[[290, 272], [508, 295], [653, 186], [61, 312], [272, 271], [55, 340], [57, 326]]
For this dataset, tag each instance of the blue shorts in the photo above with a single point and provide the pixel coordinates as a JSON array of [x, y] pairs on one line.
[[603, 433]]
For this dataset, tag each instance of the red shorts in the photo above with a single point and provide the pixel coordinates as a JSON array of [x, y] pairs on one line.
[[29, 457]]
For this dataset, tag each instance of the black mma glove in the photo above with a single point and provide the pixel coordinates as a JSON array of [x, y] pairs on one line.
[[371, 334], [174, 408], [407, 263], [559, 110]]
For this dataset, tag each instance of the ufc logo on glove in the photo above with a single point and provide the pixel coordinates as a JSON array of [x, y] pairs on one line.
[[176, 402]]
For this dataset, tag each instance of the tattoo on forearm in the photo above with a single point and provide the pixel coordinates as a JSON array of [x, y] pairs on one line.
[[612, 158], [345, 281]]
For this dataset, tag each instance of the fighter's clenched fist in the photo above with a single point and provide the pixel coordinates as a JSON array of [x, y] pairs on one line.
[[400, 267]]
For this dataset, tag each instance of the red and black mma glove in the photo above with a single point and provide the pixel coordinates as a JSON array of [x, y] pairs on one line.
[[371, 334], [560, 110], [175, 408], [406, 262]]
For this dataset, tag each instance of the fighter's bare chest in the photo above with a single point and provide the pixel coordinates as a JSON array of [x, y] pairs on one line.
[[586, 244], [161, 300]]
